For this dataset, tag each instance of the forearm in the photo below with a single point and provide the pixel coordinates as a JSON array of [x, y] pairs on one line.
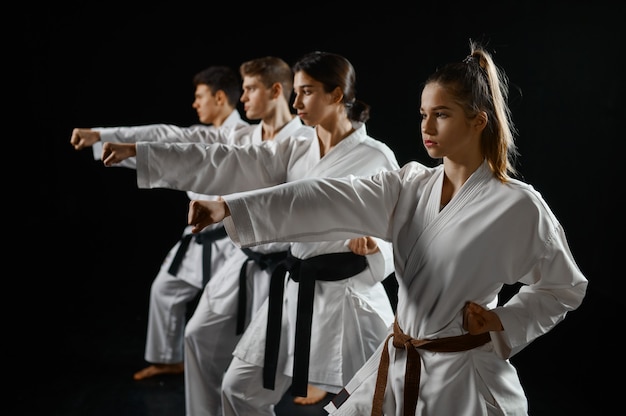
[[207, 169], [308, 211], [160, 133]]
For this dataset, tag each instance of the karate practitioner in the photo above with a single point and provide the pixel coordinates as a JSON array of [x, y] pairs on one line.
[[343, 304], [185, 270], [460, 231]]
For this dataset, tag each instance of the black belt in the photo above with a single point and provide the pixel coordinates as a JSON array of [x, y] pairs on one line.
[[205, 238], [325, 267], [265, 261]]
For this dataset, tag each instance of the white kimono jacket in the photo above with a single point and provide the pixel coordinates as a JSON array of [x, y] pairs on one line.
[[488, 235], [341, 338]]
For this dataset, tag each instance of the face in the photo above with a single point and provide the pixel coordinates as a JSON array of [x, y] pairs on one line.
[[256, 98], [205, 104], [312, 103], [446, 131]]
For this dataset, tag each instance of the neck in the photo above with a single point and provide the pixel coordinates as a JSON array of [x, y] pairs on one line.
[[222, 116], [457, 173], [329, 135], [274, 122]]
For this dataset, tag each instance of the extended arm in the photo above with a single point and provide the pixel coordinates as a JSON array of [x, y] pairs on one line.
[[164, 133], [312, 210]]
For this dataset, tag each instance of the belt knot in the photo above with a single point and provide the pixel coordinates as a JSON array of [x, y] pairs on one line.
[[413, 369]]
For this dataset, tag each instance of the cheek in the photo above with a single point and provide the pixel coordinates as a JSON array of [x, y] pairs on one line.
[[320, 106], [316, 110]]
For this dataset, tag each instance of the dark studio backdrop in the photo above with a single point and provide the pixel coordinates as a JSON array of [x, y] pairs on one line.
[[90, 66]]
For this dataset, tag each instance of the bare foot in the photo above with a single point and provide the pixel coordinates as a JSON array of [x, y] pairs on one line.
[[313, 395], [158, 369]]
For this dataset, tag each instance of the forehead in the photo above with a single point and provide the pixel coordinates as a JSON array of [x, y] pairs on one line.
[[301, 79], [252, 80], [203, 89], [434, 95]]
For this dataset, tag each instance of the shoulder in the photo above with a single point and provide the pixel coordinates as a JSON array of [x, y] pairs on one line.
[[243, 134], [415, 171], [361, 136], [304, 132], [525, 192], [374, 145], [234, 127], [526, 201]]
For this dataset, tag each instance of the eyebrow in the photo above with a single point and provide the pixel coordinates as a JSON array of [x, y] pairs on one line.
[[438, 107]]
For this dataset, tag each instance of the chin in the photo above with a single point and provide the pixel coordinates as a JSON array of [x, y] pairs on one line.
[[433, 153]]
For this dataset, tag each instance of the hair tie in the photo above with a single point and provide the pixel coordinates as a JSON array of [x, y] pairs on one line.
[[468, 59]]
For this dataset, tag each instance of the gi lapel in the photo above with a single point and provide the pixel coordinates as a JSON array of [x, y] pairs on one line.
[[436, 220]]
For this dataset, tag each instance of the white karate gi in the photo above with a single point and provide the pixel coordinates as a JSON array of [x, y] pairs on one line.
[[488, 235], [210, 335], [351, 316], [170, 295]]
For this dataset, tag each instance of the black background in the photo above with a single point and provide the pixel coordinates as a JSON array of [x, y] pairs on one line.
[[113, 65]]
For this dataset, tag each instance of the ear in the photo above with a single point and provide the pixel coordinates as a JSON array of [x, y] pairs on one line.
[[277, 90], [220, 97], [337, 95], [480, 121]]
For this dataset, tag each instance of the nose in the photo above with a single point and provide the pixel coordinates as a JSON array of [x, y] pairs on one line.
[[427, 125], [297, 103]]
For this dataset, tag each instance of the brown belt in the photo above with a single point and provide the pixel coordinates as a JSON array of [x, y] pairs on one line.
[[413, 363]]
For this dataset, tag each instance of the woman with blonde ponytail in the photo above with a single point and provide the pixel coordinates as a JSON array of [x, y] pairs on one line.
[[460, 232]]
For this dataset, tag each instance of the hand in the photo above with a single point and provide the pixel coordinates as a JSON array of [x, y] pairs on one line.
[[363, 246], [82, 138], [113, 153], [204, 213], [478, 320]]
